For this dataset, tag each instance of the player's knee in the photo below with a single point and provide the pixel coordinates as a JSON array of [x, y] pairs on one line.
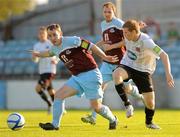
[[50, 88], [150, 104], [97, 109], [117, 77], [96, 106], [58, 96]]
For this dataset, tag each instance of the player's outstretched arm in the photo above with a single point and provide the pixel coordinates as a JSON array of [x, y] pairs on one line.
[[101, 54], [107, 47], [35, 59], [169, 78], [39, 54], [100, 43]]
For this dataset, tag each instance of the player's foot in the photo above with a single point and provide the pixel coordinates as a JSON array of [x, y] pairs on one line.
[[129, 111], [152, 126], [89, 119], [114, 124], [48, 126]]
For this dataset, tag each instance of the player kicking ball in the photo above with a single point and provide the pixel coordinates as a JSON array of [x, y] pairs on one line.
[[86, 77]]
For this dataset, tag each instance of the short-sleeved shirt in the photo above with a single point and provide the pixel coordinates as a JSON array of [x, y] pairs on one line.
[[141, 55], [74, 53], [45, 65], [112, 33]]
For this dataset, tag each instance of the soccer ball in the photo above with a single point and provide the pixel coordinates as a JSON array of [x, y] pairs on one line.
[[15, 121]]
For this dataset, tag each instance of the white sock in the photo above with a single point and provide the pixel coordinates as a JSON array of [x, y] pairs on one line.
[[135, 92], [107, 114]]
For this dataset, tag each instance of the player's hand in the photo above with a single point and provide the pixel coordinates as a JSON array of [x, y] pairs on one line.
[[170, 80], [54, 62], [142, 24], [34, 53], [112, 59]]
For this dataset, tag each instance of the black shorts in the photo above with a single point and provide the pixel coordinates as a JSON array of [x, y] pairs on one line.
[[46, 77], [143, 80]]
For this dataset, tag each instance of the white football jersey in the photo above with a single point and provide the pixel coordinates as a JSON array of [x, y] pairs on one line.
[[141, 55], [45, 64]]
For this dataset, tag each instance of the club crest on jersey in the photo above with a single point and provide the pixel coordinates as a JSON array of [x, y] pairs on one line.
[[112, 30], [68, 52], [131, 55]]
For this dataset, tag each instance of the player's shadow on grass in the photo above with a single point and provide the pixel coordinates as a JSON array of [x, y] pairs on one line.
[[30, 126], [24, 127], [4, 128]]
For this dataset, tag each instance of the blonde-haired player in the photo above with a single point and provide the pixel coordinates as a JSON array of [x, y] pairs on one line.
[[47, 67], [138, 64]]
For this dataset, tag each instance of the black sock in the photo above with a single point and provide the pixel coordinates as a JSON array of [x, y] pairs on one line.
[[149, 115], [122, 94], [44, 97]]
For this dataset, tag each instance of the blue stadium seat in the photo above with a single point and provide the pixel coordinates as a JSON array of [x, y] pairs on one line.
[[18, 60]]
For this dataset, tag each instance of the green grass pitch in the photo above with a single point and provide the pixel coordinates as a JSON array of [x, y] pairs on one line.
[[71, 126]]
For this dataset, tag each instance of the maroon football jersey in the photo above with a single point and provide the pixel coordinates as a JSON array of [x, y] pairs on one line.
[[112, 36], [77, 60]]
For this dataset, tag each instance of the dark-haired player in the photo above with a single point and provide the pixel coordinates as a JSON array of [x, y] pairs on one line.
[[86, 77]]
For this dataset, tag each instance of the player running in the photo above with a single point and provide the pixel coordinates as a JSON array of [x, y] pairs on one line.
[[138, 64], [47, 67], [112, 35], [86, 77]]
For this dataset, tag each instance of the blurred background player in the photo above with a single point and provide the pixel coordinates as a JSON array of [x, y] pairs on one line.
[[138, 64], [86, 77], [47, 67], [112, 35]]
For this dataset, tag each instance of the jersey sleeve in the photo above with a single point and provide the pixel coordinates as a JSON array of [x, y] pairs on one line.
[[119, 23], [85, 44], [149, 43], [102, 30], [73, 41], [102, 25]]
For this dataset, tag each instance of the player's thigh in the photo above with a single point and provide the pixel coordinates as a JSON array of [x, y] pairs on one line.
[[93, 90], [143, 81], [48, 79], [149, 99], [65, 91], [119, 74], [38, 87]]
